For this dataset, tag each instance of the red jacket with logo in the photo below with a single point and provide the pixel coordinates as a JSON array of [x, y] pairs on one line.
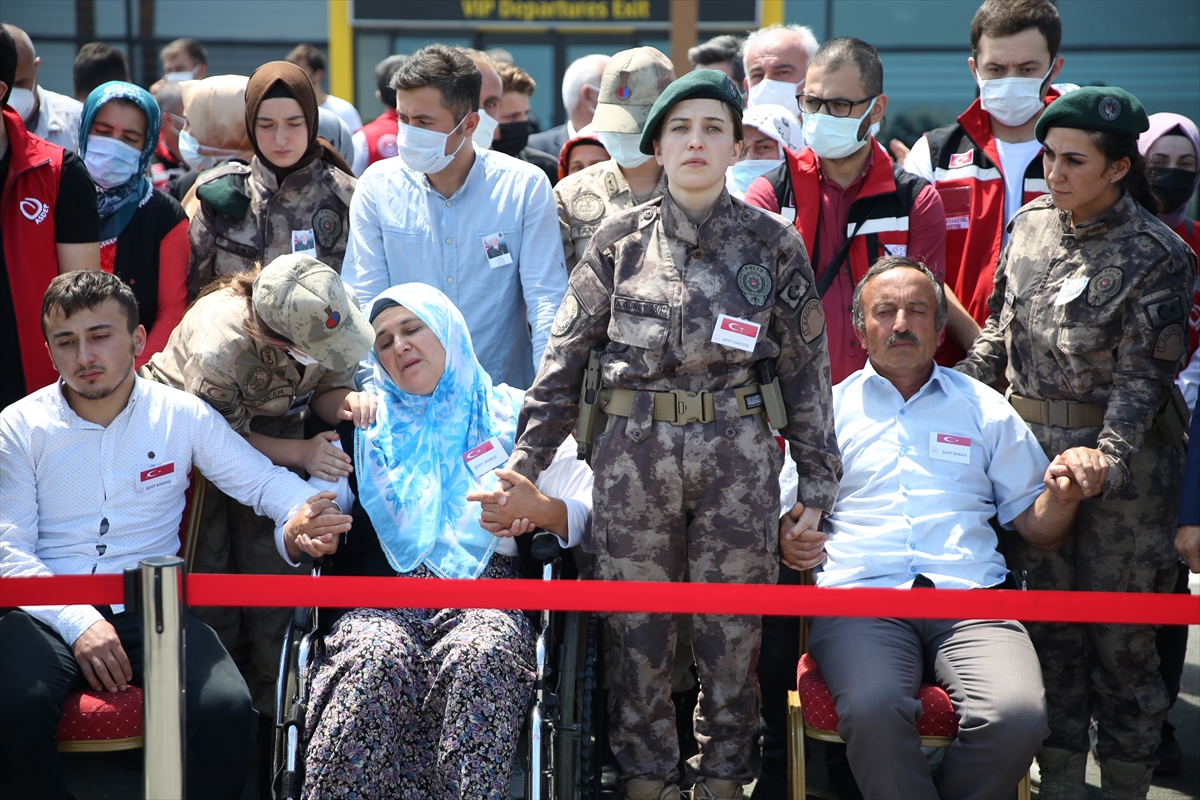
[[27, 214], [381, 136], [968, 176]]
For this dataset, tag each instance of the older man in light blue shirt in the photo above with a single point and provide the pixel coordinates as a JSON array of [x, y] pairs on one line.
[[930, 457], [477, 224]]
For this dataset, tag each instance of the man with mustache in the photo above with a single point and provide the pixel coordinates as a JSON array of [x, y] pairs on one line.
[[930, 456]]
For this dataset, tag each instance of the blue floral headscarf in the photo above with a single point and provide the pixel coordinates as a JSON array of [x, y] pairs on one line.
[[412, 479], [118, 204]]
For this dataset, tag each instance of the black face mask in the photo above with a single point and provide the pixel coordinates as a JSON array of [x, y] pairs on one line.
[[513, 137], [1172, 187]]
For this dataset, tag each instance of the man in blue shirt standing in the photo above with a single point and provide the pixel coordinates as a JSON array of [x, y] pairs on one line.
[[440, 212], [930, 456]]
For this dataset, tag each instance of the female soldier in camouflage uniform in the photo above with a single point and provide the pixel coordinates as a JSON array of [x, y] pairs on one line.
[[293, 197], [691, 298], [1088, 327]]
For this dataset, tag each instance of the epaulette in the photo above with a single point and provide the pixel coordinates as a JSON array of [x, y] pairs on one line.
[[618, 226], [341, 184], [1174, 246], [224, 189], [1040, 203]]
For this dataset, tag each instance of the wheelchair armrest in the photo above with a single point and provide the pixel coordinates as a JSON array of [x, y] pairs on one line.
[[546, 546]]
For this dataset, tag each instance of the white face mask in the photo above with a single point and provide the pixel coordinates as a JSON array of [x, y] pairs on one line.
[[189, 151], [182, 75], [22, 101], [484, 130], [624, 148], [1012, 101], [835, 137], [741, 174], [779, 93], [425, 150], [110, 162], [302, 357]]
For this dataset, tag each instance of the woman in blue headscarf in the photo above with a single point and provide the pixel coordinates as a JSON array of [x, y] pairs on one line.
[[143, 233], [427, 703]]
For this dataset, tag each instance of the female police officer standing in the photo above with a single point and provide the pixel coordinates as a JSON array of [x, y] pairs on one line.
[[691, 299], [1088, 326]]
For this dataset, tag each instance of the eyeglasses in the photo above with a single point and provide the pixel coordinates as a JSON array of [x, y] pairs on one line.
[[838, 106]]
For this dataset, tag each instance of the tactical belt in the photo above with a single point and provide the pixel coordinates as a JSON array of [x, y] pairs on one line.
[[679, 407], [1168, 427], [1058, 413]]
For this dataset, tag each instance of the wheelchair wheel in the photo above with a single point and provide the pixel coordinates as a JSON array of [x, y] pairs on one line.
[[589, 702], [566, 734]]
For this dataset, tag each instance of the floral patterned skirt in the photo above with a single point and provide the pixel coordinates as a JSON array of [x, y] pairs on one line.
[[420, 704]]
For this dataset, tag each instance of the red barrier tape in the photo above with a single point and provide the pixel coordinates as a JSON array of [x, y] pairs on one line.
[[687, 598]]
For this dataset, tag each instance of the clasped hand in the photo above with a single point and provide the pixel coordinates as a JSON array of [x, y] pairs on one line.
[[316, 527], [801, 542]]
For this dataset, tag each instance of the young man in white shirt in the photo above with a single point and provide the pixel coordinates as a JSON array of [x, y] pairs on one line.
[[930, 456], [93, 471], [476, 224]]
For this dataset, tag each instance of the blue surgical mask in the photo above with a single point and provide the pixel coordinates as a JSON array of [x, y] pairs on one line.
[[835, 137], [741, 174], [111, 162]]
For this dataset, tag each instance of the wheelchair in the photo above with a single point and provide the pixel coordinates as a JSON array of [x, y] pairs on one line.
[[559, 754]]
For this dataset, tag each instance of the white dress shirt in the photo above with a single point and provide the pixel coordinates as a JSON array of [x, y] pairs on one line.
[[402, 230], [78, 498], [567, 478], [912, 504], [58, 119]]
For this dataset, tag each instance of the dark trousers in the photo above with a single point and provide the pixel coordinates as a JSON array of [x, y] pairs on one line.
[[1171, 643], [776, 677], [38, 671]]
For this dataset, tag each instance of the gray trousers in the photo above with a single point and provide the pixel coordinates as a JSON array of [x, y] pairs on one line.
[[873, 668]]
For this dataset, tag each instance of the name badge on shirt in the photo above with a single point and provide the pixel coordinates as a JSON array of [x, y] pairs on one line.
[[156, 477], [497, 250], [740, 334], [486, 457], [299, 404], [948, 447], [1071, 288], [304, 243]]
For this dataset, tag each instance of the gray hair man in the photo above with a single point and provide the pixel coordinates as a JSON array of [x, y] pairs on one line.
[[775, 59], [580, 90]]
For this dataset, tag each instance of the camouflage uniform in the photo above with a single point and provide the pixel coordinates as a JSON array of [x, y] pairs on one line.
[[246, 217], [696, 502], [589, 197], [253, 385], [1114, 336]]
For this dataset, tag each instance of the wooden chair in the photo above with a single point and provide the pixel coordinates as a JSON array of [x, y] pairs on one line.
[[811, 712], [94, 722]]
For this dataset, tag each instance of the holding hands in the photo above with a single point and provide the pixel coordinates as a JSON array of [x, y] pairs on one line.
[[516, 506], [801, 542], [1076, 474], [315, 528]]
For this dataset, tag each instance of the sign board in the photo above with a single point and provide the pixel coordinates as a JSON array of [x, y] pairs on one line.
[[643, 14]]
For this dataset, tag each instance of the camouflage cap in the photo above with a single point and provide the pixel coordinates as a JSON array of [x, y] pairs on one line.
[[699, 84], [306, 301], [1095, 108], [632, 81]]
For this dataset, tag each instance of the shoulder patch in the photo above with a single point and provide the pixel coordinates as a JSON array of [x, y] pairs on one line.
[[812, 320], [1165, 307], [256, 384], [1171, 344], [610, 184], [219, 397], [587, 207], [795, 289], [567, 318]]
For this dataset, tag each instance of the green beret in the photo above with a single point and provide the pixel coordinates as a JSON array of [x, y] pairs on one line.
[[1095, 108], [699, 84]]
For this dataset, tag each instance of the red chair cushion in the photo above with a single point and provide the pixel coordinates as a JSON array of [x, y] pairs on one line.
[[938, 717], [89, 715]]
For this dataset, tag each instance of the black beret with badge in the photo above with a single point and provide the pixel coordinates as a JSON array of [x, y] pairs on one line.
[[699, 84], [1095, 108]]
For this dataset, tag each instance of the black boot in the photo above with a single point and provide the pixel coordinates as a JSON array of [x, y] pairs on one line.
[[1168, 754]]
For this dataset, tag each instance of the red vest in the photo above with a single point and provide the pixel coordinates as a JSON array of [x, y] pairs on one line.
[[968, 176], [27, 214], [881, 206], [1189, 231], [381, 136]]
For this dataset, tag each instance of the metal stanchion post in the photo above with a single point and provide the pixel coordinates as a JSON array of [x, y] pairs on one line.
[[163, 619]]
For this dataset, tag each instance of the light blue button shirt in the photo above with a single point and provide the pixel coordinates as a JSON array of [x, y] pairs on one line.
[[402, 230], [905, 507]]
